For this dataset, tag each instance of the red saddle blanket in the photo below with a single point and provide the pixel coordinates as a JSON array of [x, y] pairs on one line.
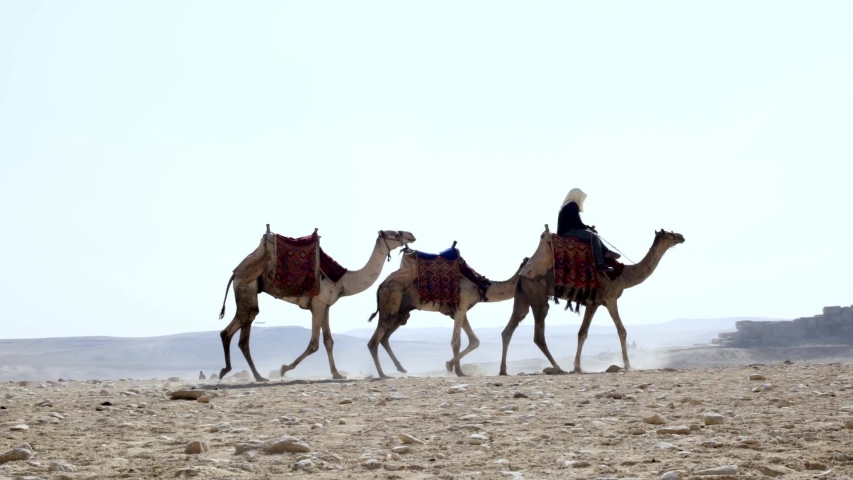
[[296, 266], [439, 280], [574, 264]]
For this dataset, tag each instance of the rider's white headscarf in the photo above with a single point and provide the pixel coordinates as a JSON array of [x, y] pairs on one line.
[[575, 195]]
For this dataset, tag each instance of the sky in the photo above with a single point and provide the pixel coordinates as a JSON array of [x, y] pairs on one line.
[[145, 145]]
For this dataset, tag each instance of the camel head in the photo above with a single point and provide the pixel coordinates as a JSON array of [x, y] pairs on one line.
[[394, 238], [670, 239]]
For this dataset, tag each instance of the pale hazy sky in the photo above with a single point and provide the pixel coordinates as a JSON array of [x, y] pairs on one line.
[[144, 145]]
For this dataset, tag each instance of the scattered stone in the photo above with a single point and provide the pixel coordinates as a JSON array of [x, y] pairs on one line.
[[45, 403], [189, 472], [345, 401], [286, 444], [342, 422], [477, 439], [575, 464], [462, 387], [667, 446], [187, 394], [815, 466], [305, 465], [15, 455], [401, 449], [655, 420], [196, 447], [60, 466], [409, 440], [770, 472], [393, 467], [713, 418], [676, 430], [848, 424], [613, 369], [672, 475], [519, 395], [757, 376], [203, 399], [20, 428], [840, 457], [718, 471]]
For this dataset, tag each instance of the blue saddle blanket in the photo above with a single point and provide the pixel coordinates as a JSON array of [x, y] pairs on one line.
[[450, 254]]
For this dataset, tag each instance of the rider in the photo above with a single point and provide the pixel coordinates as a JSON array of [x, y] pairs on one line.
[[569, 224]]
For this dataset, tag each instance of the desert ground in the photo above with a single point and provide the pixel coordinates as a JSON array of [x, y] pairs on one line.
[[781, 419]]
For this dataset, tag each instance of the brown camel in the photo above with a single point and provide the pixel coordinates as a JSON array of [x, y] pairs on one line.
[[254, 268], [536, 285], [398, 295]]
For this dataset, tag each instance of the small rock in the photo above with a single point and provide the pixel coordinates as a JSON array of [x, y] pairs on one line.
[[757, 376], [372, 464], [15, 455], [45, 403], [676, 430], [476, 439], [815, 466], [519, 395], [195, 447], [713, 418], [672, 475], [20, 428], [203, 399], [848, 424], [393, 467], [655, 420], [770, 472], [840, 457], [462, 387], [409, 440], [59, 466], [305, 465], [187, 394], [342, 422], [718, 471], [316, 426], [189, 472], [401, 449], [575, 464], [667, 446], [613, 369], [286, 444], [345, 401]]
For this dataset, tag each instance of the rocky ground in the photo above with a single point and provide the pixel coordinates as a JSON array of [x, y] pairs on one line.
[[780, 420]]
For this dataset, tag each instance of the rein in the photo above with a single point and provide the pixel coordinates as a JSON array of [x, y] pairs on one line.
[[614, 248]]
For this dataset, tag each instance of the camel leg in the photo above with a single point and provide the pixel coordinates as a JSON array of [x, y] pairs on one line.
[[373, 344], [520, 308], [473, 343], [385, 338], [539, 313], [246, 297], [620, 329], [588, 313], [456, 340], [329, 343], [314, 344]]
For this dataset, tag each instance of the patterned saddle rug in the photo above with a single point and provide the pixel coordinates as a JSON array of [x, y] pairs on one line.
[[439, 277], [297, 265], [575, 274]]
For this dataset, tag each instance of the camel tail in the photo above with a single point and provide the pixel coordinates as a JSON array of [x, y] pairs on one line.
[[227, 287], [377, 307]]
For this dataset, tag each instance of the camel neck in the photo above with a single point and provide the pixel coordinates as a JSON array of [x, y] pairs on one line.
[[634, 275], [357, 281]]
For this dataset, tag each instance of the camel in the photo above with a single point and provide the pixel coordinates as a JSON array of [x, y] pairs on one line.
[[248, 278], [536, 285], [398, 295]]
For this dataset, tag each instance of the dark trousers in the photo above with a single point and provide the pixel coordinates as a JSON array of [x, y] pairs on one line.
[[592, 238]]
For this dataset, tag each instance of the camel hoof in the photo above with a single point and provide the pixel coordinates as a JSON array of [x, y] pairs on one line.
[[261, 379], [338, 376], [223, 372], [383, 376], [401, 370], [284, 369], [460, 374], [577, 370], [503, 373], [554, 371], [449, 365]]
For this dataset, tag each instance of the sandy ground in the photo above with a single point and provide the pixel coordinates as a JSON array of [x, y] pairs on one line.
[[787, 421]]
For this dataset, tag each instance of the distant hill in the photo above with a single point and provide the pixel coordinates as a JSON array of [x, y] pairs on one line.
[[419, 349]]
